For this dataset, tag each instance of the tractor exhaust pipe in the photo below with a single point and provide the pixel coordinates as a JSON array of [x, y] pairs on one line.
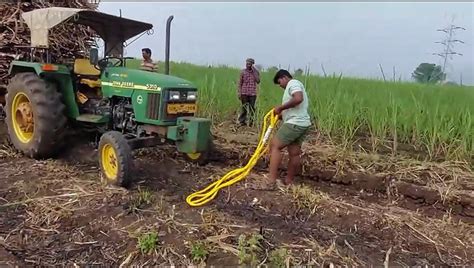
[[167, 47]]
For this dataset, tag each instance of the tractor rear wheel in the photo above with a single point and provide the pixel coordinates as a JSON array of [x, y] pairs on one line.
[[115, 156], [35, 116]]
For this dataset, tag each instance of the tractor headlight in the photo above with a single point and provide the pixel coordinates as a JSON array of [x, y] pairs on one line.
[[174, 95], [192, 95]]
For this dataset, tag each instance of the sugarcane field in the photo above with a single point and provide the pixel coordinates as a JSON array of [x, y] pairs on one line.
[[236, 134]]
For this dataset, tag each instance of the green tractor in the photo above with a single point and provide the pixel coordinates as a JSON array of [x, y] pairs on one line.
[[129, 108]]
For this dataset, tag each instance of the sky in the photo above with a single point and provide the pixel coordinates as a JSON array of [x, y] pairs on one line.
[[351, 38]]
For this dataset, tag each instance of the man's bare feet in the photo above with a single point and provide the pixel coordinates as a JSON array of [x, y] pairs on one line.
[[270, 185], [282, 185], [267, 185]]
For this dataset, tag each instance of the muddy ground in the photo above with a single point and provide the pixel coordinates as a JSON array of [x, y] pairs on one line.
[[356, 209]]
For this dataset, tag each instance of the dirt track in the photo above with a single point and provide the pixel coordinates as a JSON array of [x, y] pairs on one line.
[[56, 212]]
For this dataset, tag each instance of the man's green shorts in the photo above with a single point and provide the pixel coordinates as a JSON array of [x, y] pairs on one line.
[[291, 134]]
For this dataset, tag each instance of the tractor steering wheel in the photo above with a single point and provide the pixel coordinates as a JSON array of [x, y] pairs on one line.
[[102, 63]]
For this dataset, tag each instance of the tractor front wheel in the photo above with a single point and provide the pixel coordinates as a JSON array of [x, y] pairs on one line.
[[115, 158]]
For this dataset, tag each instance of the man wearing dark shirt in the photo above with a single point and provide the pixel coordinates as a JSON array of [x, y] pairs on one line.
[[247, 91]]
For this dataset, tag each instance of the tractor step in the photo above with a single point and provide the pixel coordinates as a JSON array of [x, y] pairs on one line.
[[92, 118]]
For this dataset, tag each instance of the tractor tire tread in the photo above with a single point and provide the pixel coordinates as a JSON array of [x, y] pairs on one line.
[[49, 115], [124, 155]]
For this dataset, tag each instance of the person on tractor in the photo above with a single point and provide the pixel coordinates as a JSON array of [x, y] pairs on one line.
[[127, 107], [291, 134], [147, 62]]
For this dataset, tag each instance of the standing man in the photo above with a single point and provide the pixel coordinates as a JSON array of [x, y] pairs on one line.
[[247, 91], [147, 62], [295, 125]]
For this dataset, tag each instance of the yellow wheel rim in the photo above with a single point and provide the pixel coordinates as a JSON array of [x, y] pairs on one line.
[[109, 162], [22, 118], [194, 156]]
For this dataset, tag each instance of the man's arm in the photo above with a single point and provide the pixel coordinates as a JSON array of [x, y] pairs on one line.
[[256, 75], [296, 99], [241, 81]]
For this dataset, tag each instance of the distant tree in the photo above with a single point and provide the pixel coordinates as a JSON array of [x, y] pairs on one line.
[[299, 72], [428, 73], [272, 69]]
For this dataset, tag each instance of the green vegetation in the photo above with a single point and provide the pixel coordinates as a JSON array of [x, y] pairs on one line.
[[250, 249], [278, 257], [199, 252], [145, 196], [147, 243], [141, 199], [435, 119]]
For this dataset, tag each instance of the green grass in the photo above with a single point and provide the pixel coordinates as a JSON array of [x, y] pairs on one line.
[[141, 199], [434, 119], [199, 252], [250, 249], [148, 242], [278, 257]]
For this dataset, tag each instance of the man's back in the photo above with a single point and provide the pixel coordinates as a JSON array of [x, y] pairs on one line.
[[297, 115]]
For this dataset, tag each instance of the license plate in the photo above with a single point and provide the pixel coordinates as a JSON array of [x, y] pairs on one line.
[[181, 108]]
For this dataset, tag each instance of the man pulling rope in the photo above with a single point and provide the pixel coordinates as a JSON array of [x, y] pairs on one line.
[[296, 123], [291, 134]]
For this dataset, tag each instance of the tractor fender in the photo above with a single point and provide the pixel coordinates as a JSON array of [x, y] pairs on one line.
[[14, 69], [61, 77]]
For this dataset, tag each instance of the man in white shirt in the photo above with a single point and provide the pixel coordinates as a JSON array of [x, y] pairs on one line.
[[295, 126]]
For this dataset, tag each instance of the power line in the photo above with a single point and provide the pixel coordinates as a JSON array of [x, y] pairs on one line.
[[448, 43]]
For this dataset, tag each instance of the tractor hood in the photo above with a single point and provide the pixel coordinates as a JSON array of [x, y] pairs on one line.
[[144, 78]]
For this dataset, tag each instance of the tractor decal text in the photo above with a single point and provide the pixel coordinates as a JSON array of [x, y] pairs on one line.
[[153, 87], [131, 85], [122, 84], [118, 75]]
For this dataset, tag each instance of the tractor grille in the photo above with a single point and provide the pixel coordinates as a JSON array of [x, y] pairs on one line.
[[153, 106]]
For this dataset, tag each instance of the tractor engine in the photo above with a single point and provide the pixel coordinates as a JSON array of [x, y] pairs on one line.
[[123, 117], [96, 106]]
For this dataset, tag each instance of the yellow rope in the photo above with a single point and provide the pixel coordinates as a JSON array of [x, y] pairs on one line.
[[205, 195]]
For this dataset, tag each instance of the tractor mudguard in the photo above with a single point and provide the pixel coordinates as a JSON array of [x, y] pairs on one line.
[[58, 74]]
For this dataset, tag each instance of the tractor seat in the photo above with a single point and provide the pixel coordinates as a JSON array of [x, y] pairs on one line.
[[91, 83], [83, 68]]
